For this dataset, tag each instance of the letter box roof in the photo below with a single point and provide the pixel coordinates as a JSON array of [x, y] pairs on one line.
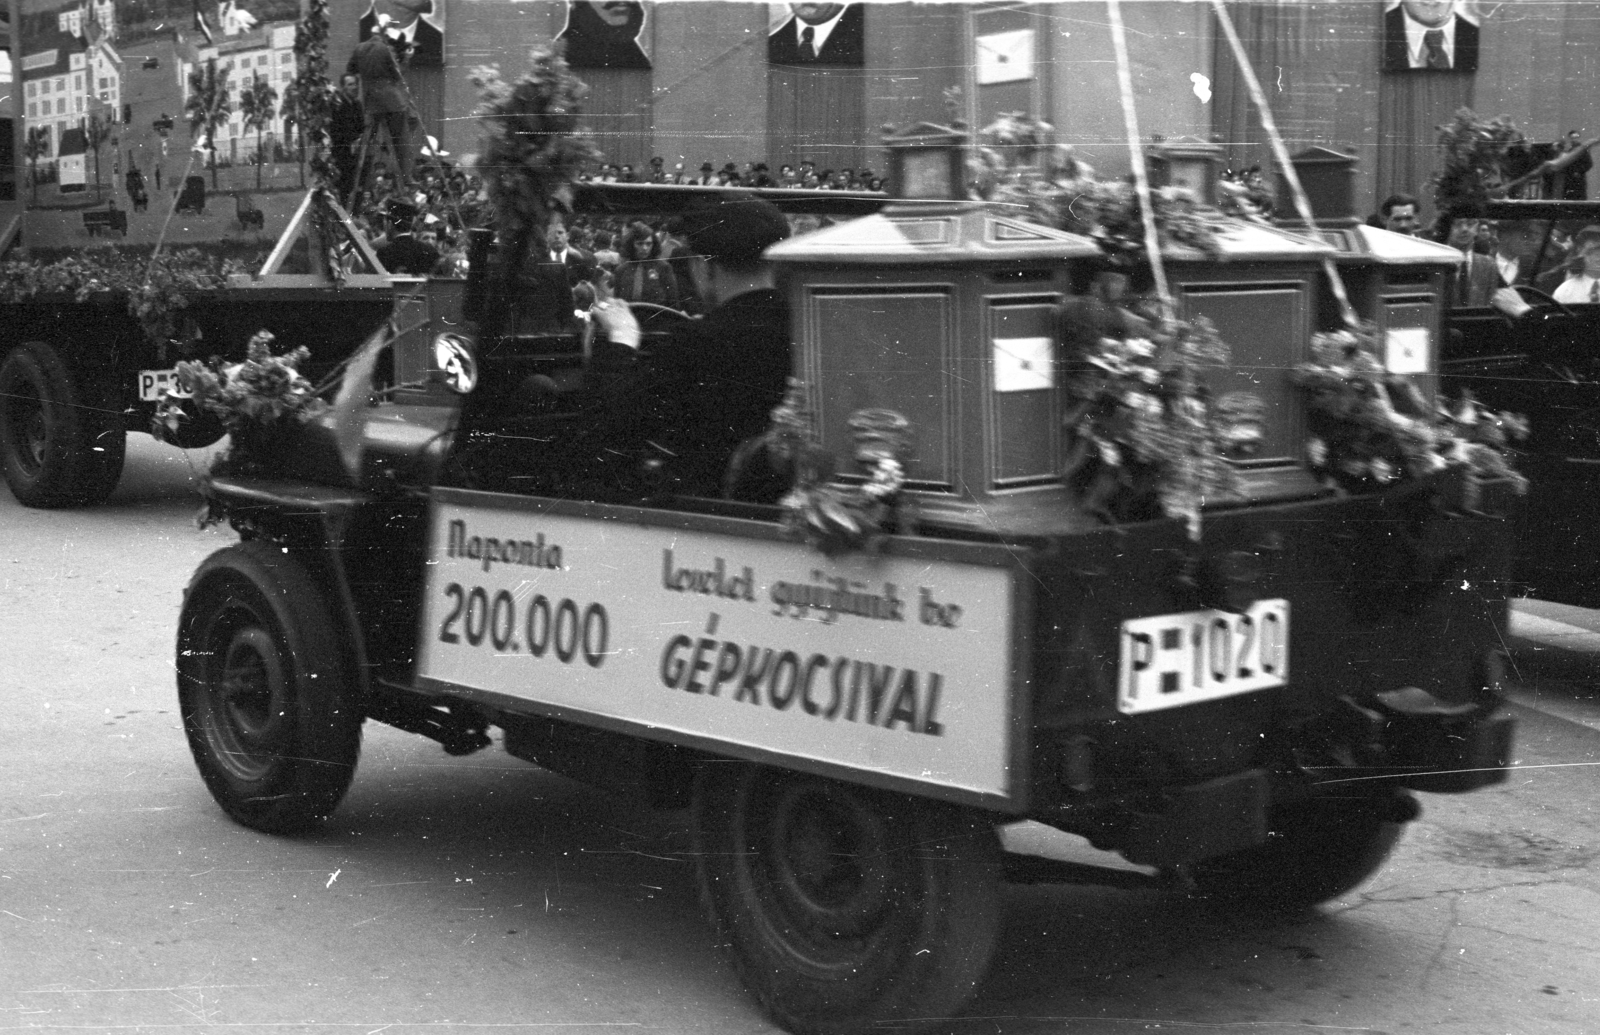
[[1387, 248], [954, 233], [962, 233]]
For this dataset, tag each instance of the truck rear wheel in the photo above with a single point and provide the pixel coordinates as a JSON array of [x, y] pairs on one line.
[[1316, 850], [845, 908], [62, 439], [267, 698]]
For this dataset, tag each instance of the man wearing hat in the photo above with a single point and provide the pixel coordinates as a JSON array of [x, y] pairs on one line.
[[714, 384], [404, 253], [384, 96], [708, 175]]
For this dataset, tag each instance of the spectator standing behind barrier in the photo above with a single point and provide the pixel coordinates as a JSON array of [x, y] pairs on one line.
[[404, 253], [384, 97], [644, 276], [1399, 214], [557, 268], [1573, 181]]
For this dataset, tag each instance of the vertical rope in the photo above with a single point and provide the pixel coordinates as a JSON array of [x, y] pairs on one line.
[[166, 223], [1141, 177], [1302, 204]]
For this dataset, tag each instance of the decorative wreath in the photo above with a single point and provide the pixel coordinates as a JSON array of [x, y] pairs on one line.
[[830, 515], [1371, 429]]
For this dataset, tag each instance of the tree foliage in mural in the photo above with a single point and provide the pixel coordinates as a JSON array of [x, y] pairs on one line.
[[207, 107]]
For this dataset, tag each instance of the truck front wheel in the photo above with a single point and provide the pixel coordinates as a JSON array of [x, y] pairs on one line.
[[845, 908], [62, 441], [1316, 850], [267, 698]]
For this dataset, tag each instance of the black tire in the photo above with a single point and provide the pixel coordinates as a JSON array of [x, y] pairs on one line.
[[1316, 850], [268, 701], [845, 908], [62, 439]]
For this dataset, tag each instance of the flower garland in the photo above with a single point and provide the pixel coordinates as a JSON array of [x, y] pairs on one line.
[[1472, 162], [1147, 439], [1014, 165], [258, 400], [156, 300], [1371, 429]]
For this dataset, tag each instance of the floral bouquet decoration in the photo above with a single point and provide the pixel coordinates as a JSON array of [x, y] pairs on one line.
[[832, 516], [1146, 437], [1371, 429], [261, 402]]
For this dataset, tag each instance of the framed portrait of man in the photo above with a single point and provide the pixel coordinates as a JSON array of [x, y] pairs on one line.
[[817, 34], [419, 24], [1429, 36], [606, 34]]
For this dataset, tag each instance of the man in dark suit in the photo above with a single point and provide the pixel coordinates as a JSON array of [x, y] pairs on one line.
[[1429, 35], [1572, 183], [384, 96], [557, 268], [346, 123], [820, 34], [404, 253]]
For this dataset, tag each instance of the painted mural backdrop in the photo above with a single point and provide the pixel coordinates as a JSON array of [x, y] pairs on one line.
[[102, 89]]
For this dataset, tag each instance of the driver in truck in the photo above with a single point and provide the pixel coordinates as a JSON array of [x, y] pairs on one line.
[[715, 382]]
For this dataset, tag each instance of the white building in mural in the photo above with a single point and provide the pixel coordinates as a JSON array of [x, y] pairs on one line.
[[266, 53], [70, 74]]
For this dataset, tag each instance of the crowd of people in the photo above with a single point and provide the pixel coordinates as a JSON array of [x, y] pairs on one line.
[[1558, 259], [804, 175]]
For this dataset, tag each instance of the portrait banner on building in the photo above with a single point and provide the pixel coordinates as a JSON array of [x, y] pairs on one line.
[[419, 23], [1430, 36], [827, 35], [606, 35]]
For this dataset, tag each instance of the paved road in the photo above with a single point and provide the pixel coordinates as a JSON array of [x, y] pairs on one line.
[[482, 894]]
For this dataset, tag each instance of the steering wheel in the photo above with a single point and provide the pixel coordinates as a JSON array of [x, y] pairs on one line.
[[653, 316], [1541, 298]]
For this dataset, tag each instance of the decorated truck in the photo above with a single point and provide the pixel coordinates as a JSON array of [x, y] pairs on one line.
[[1083, 517], [135, 215]]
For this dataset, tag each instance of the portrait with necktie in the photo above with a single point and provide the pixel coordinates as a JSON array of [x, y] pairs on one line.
[[1429, 36], [818, 34]]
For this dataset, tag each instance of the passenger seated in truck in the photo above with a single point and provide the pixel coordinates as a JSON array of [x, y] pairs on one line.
[[715, 381], [1582, 284]]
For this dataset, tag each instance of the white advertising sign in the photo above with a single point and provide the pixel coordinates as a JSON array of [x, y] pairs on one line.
[[897, 666]]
